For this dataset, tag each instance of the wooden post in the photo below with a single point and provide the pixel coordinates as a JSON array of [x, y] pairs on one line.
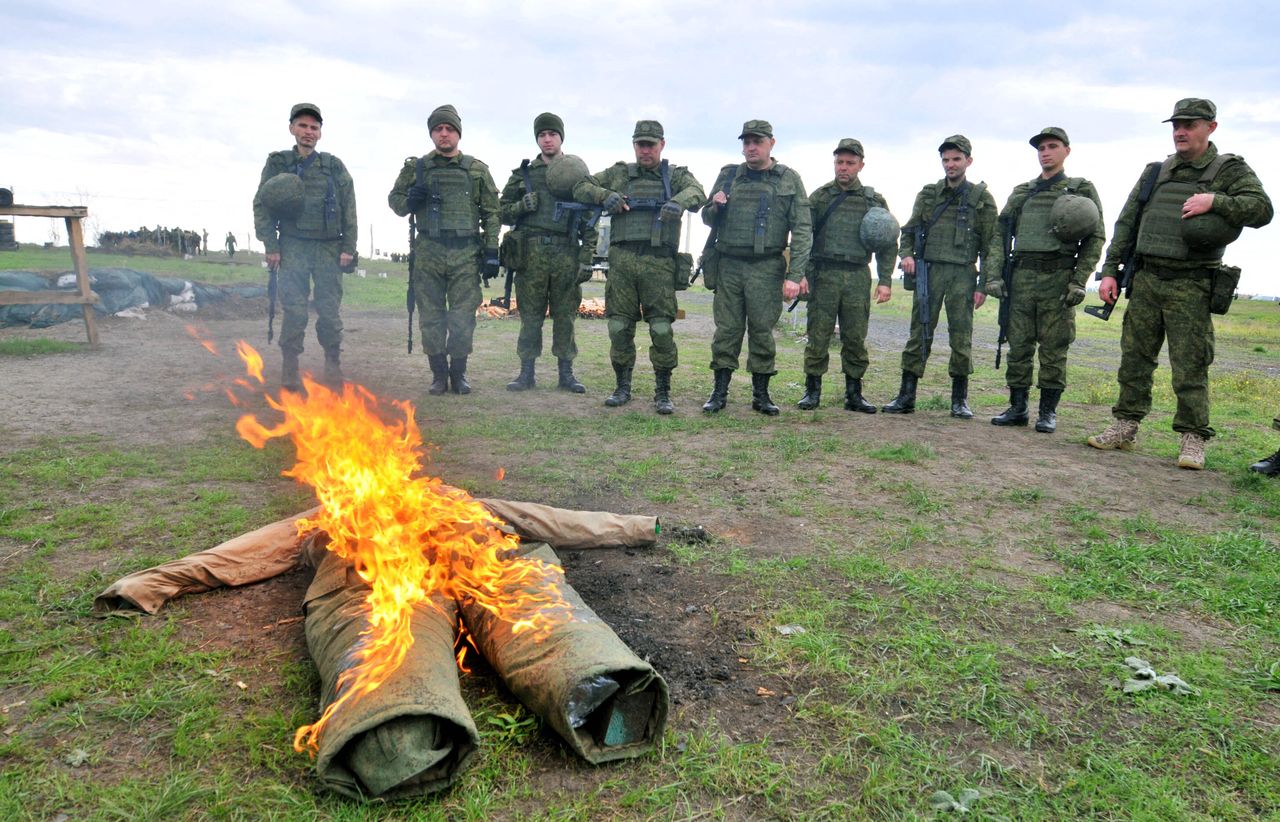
[[75, 237]]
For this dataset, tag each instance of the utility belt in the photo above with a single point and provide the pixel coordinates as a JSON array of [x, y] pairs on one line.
[[1200, 271], [301, 234], [840, 260], [1045, 262], [743, 253], [450, 239], [534, 238], [643, 248]]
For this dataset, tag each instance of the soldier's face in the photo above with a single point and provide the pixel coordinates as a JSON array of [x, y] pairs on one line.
[[549, 142], [305, 130], [955, 163], [648, 153], [1191, 137], [446, 138], [756, 149], [848, 165], [1052, 155]]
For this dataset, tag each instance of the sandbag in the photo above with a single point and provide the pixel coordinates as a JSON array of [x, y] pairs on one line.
[[567, 529]]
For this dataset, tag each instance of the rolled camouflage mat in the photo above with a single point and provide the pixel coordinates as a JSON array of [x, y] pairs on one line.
[[581, 679], [413, 734]]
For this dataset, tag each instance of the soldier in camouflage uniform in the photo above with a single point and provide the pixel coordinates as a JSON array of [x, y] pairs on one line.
[[555, 259], [1269, 466], [958, 219], [839, 279], [455, 206], [1048, 281], [1175, 276], [755, 207], [644, 238], [313, 245]]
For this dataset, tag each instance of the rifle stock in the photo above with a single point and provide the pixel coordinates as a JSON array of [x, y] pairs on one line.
[[922, 292], [410, 299]]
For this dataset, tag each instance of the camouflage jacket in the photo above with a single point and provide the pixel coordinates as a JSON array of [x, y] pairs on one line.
[[988, 253], [341, 225], [513, 192], [794, 200], [1089, 250], [821, 199], [484, 194]]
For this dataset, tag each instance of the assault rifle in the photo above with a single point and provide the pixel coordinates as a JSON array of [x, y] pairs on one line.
[[644, 203], [273, 285], [1006, 274], [1129, 259], [577, 210], [410, 300], [922, 290]]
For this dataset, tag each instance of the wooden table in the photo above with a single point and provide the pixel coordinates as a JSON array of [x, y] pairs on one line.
[[83, 296]]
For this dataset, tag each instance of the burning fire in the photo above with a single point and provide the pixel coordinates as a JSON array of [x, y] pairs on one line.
[[408, 536]]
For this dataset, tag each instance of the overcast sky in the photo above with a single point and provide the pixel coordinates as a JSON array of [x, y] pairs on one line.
[[164, 113]]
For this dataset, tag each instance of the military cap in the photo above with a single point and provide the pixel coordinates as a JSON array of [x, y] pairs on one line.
[[849, 144], [648, 131], [759, 128], [546, 121], [306, 108], [1193, 108], [1047, 132], [442, 115], [957, 141]]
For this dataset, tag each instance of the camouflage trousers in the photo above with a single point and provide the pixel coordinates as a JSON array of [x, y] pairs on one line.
[[549, 279], [1178, 309], [951, 284], [641, 285], [838, 291], [1038, 317], [748, 301], [446, 287], [301, 262]]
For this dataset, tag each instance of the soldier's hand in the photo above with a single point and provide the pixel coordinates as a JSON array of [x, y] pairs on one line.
[[529, 202], [671, 211], [489, 269], [418, 194], [790, 290], [978, 299], [719, 198], [908, 265], [273, 260], [1074, 294], [1109, 290], [1197, 204], [883, 293], [613, 203], [994, 288], [584, 273]]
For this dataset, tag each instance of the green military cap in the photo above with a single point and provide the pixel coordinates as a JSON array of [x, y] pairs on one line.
[[546, 121], [305, 108], [957, 141], [849, 144], [1047, 132], [445, 114], [759, 128], [647, 131], [1193, 108]]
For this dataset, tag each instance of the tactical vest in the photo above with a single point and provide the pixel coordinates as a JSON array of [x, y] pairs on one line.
[[318, 219], [644, 225], [840, 237], [451, 208], [1160, 232], [1034, 235], [755, 223], [543, 220], [952, 238]]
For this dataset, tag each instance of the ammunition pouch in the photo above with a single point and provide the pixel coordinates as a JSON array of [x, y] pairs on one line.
[[1222, 291], [511, 251], [710, 265], [683, 270], [908, 281]]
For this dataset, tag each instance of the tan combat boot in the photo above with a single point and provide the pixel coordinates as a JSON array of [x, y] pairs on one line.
[[1121, 434], [1192, 454]]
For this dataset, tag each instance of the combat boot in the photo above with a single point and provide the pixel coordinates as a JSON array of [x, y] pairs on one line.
[[960, 398], [812, 392], [1121, 434], [760, 400], [720, 393], [905, 402], [1191, 455], [333, 368], [568, 382], [289, 379], [622, 392], [1269, 467], [525, 380], [1047, 421], [661, 391], [853, 399], [1016, 413], [439, 374], [458, 376]]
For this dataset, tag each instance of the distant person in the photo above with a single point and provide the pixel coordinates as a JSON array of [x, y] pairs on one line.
[[1054, 223], [306, 219], [1198, 205], [1270, 466], [231, 244], [204, 246], [455, 206]]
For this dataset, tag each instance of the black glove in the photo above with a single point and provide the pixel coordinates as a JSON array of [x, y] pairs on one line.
[[1074, 294], [671, 210], [613, 203], [418, 194], [529, 202], [489, 269]]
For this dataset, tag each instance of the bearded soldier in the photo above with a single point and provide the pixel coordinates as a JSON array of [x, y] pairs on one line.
[[1054, 224], [455, 206], [305, 215], [644, 239], [839, 279], [1179, 227], [758, 209]]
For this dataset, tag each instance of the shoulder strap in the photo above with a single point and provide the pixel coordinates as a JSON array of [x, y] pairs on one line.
[[666, 180], [1211, 170], [524, 171], [835, 203]]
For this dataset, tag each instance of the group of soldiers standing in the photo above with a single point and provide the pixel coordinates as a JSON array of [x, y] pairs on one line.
[[771, 241]]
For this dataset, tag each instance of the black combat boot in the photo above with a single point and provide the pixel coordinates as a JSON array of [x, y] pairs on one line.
[[1269, 467], [812, 392], [333, 368], [568, 382], [525, 380], [289, 379], [661, 391], [622, 392], [1047, 421], [760, 400], [458, 376], [439, 374], [720, 393], [1016, 413], [853, 399], [960, 398], [905, 402]]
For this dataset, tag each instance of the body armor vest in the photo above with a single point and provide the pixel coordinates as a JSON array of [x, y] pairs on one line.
[[840, 238], [1160, 232], [952, 238], [638, 225], [755, 223], [1034, 221], [451, 206], [318, 219], [543, 220]]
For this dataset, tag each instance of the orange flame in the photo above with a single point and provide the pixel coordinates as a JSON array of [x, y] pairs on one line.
[[407, 536]]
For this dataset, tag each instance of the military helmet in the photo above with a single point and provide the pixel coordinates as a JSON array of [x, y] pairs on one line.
[[565, 172], [1205, 231], [879, 230], [282, 195], [1073, 218]]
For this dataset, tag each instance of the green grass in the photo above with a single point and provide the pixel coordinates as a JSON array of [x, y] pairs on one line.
[[36, 347]]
